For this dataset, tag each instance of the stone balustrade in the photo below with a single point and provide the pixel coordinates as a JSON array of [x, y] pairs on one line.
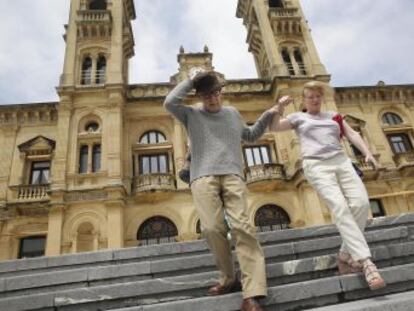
[[94, 16], [283, 12], [32, 192], [264, 172], [151, 182], [404, 159]]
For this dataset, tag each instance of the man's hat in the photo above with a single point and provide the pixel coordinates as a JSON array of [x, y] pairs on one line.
[[206, 82]]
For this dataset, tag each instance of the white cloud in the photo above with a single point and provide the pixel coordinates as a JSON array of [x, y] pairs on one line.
[[363, 42]]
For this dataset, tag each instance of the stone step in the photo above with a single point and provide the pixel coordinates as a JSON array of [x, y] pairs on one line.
[[273, 252], [385, 253], [296, 296], [193, 286], [392, 302], [178, 250]]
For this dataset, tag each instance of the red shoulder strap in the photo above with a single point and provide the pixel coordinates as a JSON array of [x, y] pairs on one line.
[[338, 118]]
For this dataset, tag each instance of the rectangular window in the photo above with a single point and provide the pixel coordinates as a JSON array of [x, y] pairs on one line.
[[257, 155], [83, 159], [356, 151], [153, 164], [96, 158], [376, 208], [33, 246], [276, 3], [400, 143], [40, 173]]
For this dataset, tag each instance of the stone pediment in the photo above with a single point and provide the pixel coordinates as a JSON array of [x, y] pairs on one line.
[[354, 121], [38, 145]]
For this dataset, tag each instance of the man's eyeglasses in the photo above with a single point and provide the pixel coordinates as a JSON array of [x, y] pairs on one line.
[[210, 94]]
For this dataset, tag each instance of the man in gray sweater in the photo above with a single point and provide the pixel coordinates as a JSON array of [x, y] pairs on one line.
[[217, 185]]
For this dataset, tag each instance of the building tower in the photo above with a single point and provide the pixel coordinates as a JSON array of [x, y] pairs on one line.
[[99, 42], [279, 38]]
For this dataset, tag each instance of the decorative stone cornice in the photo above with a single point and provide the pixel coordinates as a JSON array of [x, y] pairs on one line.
[[28, 114], [378, 93], [232, 87]]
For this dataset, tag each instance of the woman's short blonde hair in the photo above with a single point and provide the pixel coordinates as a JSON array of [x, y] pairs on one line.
[[317, 86]]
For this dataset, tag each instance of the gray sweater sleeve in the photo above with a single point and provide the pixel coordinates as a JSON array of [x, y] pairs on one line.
[[253, 133], [174, 100]]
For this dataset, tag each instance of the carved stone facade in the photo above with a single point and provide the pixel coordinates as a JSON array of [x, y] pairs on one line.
[[99, 168]]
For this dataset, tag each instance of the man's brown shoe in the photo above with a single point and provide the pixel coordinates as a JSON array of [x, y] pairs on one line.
[[250, 304], [219, 289]]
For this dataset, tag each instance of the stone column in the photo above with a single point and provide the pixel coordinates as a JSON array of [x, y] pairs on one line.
[[277, 66], [115, 226], [55, 230], [115, 63], [112, 140], [69, 68], [179, 152], [59, 163], [293, 61], [8, 140]]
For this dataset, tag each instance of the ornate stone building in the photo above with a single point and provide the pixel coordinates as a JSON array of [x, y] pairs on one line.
[[98, 169]]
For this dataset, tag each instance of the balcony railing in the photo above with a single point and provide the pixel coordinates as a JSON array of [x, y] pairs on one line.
[[32, 192], [152, 182], [404, 159], [363, 165], [264, 172], [94, 23], [86, 78], [284, 12], [94, 16]]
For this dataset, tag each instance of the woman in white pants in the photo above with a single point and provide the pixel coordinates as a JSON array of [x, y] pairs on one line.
[[328, 169]]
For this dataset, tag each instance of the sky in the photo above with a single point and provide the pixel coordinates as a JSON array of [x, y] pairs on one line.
[[359, 41]]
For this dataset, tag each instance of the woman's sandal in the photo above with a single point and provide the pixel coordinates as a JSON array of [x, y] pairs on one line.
[[372, 276], [347, 265]]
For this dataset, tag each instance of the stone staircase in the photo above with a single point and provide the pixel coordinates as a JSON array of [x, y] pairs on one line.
[[301, 272]]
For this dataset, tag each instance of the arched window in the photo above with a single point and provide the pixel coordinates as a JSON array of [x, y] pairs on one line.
[[92, 127], [85, 238], [97, 5], [299, 60], [152, 137], [100, 70], [157, 230], [376, 208], [288, 61], [391, 118], [271, 218], [86, 74], [198, 226]]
